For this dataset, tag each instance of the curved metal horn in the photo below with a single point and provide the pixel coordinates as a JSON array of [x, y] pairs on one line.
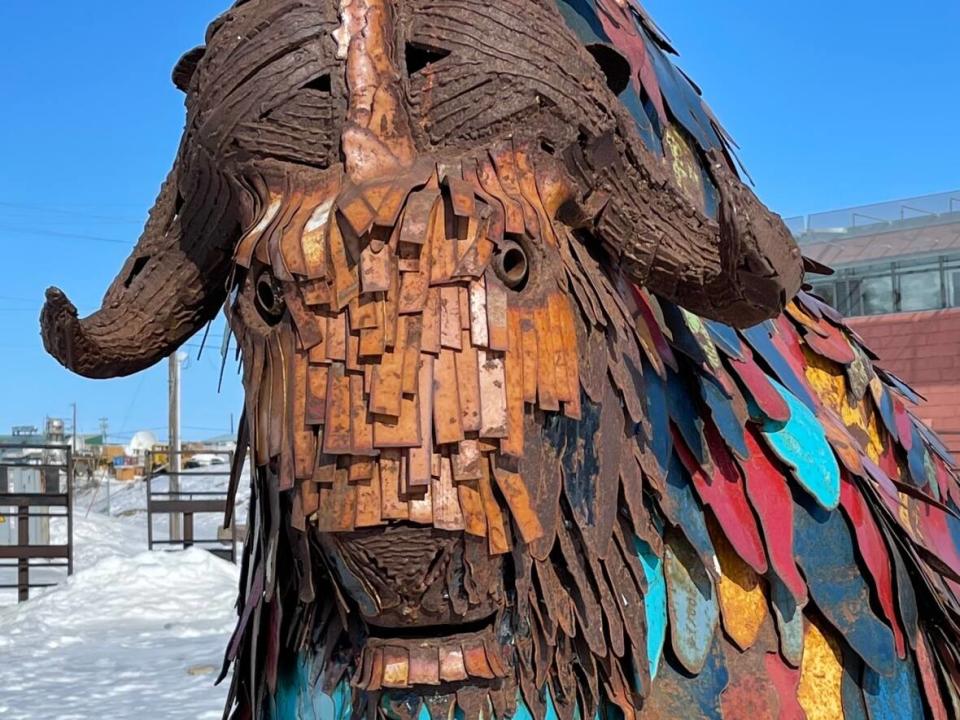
[[740, 269], [170, 286]]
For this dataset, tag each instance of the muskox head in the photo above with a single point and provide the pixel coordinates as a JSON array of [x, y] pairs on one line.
[[431, 225]]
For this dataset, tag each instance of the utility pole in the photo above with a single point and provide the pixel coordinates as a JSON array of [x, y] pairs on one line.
[[104, 424], [73, 440], [173, 456]]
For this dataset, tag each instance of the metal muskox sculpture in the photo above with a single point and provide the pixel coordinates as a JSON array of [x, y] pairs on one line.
[[543, 425]]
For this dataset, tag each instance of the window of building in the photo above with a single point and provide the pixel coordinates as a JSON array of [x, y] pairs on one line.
[[878, 296], [894, 287], [921, 288]]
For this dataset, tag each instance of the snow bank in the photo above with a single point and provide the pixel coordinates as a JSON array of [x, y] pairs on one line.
[[133, 634]]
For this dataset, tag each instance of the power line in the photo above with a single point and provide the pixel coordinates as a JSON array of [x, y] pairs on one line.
[[64, 235], [72, 213]]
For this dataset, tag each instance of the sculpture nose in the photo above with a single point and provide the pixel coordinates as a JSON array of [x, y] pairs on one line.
[[403, 576], [377, 139]]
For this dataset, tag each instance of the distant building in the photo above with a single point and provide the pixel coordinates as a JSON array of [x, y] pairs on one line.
[[224, 443], [898, 279]]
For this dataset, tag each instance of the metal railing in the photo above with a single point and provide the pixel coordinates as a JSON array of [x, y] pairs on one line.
[[924, 210], [44, 474], [186, 504]]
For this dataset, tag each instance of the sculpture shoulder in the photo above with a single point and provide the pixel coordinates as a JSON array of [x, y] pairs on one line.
[[807, 515]]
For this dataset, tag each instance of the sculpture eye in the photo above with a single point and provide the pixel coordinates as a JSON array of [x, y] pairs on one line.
[[615, 67], [420, 57], [512, 266], [269, 298]]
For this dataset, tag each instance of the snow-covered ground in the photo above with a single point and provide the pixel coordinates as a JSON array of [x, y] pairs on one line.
[[132, 634]]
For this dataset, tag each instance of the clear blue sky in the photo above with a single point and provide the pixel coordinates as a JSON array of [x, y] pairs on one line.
[[834, 104]]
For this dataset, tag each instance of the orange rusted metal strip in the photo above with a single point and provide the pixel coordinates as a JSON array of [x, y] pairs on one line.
[[424, 665], [318, 353], [496, 316], [399, 196], [368, 378], [353, 207], [409, 261], [392, 507], [275, 377], [495, 227], [446, 502], [326, 467], [452, 668], [386, 389], [369, 505], [505, 164], [415, 286], [391, 310], [309, 497], [442, 249], [462, 197], [396, 667], [468, 377], [361, 424], [450, 325], [377, 265], [418, 217], [304, 436], [418, 465], [476, 259], [546, 368], [529, 347], [313, 241], [430, 335], [353, 351], [527, 180], [471, 504], [478, 313], [365, 312], [560, 352], [372, 344], [337, 337], [571, 408], [338, 505], [374, 675], [493, 395], [310, 326], [290, 246], [316, 293], [497, 536], [475, 659], [374, 193], [411, 352], [361, 469], [404, 431], [421, 506], [521, 505], [463, 293], [336, 436], [512, 444], [262, 425], [346, 280], [447, 425], [513, 219], [466, 461]]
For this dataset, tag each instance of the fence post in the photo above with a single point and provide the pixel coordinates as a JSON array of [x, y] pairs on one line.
[[23, 563]]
